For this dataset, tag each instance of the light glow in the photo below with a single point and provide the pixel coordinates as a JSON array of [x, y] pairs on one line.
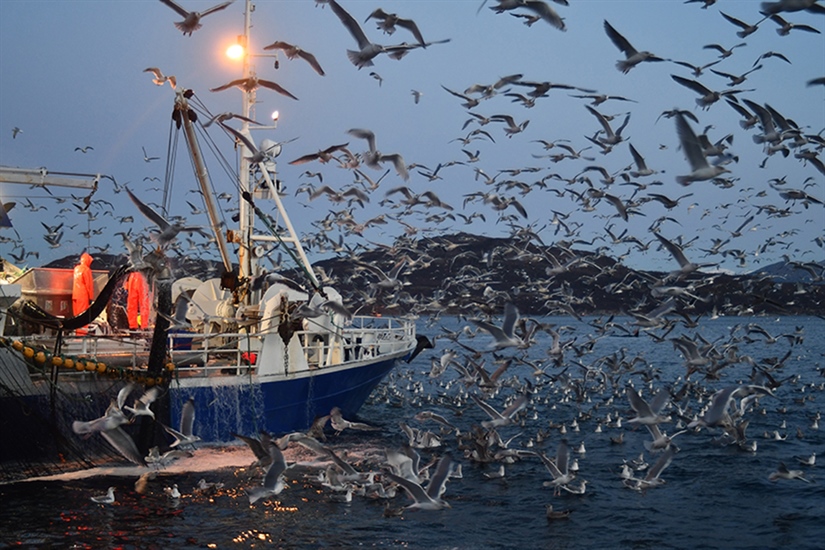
[[235, 51]]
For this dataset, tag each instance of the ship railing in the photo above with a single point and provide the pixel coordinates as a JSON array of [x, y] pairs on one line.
[[195, 354]]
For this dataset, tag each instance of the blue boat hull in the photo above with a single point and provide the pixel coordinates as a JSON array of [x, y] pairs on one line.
[[279, 407]]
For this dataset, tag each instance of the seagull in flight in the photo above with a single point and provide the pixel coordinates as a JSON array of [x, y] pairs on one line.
[[274, 480], [192, 19], [373, 157], [187, 421], [388, 22], [253, 83], [291, 52], [504, 335], [632, 56], [160, 79], [167, 231], [146, 157], [366, 50], [429, 498], [701, 170]]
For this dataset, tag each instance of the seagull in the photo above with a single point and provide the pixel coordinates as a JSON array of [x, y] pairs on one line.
[[141, 407], [700, 169], [112, 418], [503, 418], [708, 96], [641, 167], [146, 157], [268, 150], [192, 19], [168, 231], [273, 481], [558, 468], [429, 498], [366, 50], [633, 57], [187, 421], [647, 414], [85, 149], [339, 423], [160, 79], [15, 131], [541, 9], [782, 472], [223, 117], [504, 335], [389, 280], [323, 155], [259, 446], [172, 492], [125, 445], [388, 21], [291, 52], [652, 478], [768, 8], [747, 29], [610, 138], [785, 27], [685, 265], [108, 498], [373, 157], [252, 83]]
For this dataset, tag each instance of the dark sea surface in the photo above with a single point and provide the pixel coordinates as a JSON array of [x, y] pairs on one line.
[[715, 496]]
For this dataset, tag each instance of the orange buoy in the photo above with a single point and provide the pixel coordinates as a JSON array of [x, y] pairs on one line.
[[28, 352], [17, 345], [57, 360], [68, 363], [40, 357]]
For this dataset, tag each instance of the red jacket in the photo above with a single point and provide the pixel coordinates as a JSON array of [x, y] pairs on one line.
[[83, 290]]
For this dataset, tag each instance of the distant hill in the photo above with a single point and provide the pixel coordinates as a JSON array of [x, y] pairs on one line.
[[472, 274]]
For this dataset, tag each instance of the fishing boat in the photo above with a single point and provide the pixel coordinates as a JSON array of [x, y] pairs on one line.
[[251, 350]]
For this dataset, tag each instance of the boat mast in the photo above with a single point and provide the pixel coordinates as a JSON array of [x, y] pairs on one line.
[[246, 220], [246, 256], [182, 107]]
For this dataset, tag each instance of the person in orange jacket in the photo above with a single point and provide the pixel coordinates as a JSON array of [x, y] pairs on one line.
[[137, 302], [83, 289]]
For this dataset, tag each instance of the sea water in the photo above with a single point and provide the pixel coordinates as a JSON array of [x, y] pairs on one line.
[[714, 496]]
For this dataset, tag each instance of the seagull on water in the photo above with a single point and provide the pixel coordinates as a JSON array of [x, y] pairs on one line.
[[192, 19], [108, 498]]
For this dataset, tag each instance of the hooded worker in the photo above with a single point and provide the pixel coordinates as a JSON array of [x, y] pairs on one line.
[[138, 301], [83, 290]]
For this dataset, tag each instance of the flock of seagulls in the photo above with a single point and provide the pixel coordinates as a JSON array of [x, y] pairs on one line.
[[626, 388]]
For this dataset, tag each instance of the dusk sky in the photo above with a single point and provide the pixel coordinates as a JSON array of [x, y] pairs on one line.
[[72, 75]]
